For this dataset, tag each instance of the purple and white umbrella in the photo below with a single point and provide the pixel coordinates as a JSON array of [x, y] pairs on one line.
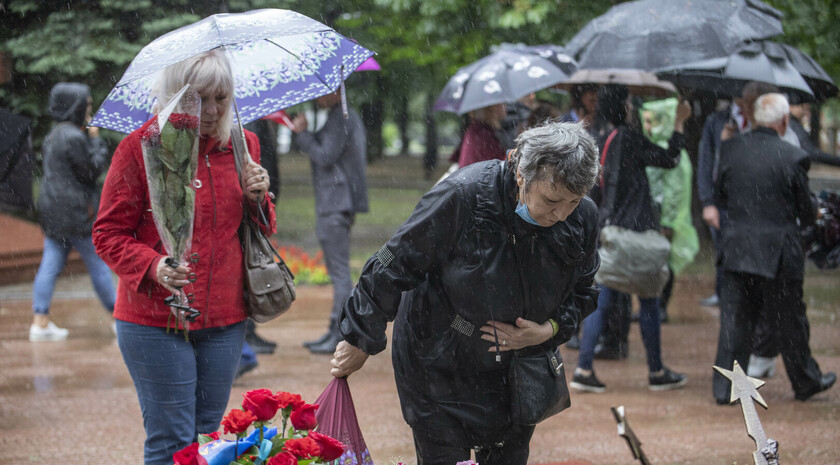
[[503, 77], [279, 58]]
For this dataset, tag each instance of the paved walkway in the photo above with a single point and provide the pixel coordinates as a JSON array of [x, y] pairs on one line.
[[73, 402]]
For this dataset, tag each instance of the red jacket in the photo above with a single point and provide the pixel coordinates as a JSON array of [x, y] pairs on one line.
[[479, 144], [126, 238]]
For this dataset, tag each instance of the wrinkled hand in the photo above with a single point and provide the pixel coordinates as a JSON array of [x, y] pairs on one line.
[[254, 182], [711, 216], [171, 278], [299, 123], [347, 359], [526, 333]]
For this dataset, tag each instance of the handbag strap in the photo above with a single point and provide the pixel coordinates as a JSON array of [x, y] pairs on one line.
[[240, 151], [608, 181]]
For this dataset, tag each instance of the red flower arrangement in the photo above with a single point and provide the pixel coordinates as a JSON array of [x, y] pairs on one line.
[[298, 445], [307, 269]]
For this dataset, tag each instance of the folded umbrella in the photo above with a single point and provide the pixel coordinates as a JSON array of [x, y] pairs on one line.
[[279, 58], [336, 417]]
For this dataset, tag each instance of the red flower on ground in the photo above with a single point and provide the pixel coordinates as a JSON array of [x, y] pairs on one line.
[[261, 402], [285, 400], [283, 458], [189, 456], [237, 421], [331, 449], [303, 417], [215, 435], [304, 448], [183, 121]]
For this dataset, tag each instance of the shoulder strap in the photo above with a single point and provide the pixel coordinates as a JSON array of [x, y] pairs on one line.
[[608, 180]]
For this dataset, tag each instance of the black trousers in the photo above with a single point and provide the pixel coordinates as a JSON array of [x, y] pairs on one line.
[[512, 450], [744, 299]]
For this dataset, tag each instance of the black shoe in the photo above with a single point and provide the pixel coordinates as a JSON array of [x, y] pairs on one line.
[[258, 344], [573, 342], [667, 380], [242, 369], [318, 341], [328, 346], [826, 382], [587, 383]]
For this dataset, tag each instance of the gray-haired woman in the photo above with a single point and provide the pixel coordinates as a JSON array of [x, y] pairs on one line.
[[496, 261]]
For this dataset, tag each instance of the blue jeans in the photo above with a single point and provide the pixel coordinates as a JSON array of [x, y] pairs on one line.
[[648, 323], [55, 255], [183, 386]]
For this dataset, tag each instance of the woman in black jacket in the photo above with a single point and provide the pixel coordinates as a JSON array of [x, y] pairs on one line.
[[625, 201], [496, 262], [67, 205]]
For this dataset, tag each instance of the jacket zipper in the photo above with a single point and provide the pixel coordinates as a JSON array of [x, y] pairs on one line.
[[525, 297], [212, 236]]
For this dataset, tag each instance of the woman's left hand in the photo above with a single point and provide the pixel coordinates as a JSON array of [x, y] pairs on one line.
[[254, 182], [526, 333]]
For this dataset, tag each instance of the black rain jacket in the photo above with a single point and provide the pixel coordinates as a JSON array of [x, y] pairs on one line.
[[464, 252]]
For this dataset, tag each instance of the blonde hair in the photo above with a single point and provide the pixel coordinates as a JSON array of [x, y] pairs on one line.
[[209, 71]]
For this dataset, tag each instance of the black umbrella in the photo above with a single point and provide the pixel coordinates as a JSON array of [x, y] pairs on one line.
[[727, 76], [820, 82], [651, 34], [501, 77]]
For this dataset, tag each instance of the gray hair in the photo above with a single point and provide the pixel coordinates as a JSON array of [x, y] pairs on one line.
[[563, 153], [208, 72], [770, 109]]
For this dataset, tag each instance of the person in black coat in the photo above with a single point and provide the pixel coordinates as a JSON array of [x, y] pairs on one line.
[[497, 261], [67, 205], [625, 201], [763, 185]]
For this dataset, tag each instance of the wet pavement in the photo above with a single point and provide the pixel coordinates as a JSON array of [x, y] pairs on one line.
[[73, 402]]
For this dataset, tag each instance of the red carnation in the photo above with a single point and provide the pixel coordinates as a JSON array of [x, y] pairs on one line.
[[285, 400], [303, 417], [331, 449], [189, 456], [304, 448], [261, 402], [183, 121], [283, 458], [237, 421]]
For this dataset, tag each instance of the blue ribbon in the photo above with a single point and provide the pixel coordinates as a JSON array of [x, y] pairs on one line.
[[265, 449]]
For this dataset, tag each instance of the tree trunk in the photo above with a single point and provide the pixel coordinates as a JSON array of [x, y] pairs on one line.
[[401, 117], [431, 156]]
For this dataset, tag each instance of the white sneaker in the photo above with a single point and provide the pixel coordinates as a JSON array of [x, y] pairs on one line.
[[50, 333], [761, 367]]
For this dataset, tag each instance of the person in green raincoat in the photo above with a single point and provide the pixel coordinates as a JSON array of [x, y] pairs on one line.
[[671, 190]]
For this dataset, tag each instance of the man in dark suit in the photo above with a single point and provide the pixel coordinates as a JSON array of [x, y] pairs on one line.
[[337, 153], [763, 185]]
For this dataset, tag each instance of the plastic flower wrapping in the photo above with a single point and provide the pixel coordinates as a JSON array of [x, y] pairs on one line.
[[170, 155], [296, 442]]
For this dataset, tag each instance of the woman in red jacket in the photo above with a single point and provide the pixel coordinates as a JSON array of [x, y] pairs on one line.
[[183, 385]]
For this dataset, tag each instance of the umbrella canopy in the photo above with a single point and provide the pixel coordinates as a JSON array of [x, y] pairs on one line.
[[501, 77], [638, 82], [818, 80], [336, 417], [279, 58], [651, 34], [728, 75]]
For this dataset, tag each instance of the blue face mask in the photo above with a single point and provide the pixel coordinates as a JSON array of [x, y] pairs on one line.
[[522, 211]]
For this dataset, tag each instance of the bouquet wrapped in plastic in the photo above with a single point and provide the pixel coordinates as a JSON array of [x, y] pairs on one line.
[[300, 444], [170, 155]]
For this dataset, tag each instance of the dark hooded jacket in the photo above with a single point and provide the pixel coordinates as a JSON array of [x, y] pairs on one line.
[[69, 196], [464, 252]]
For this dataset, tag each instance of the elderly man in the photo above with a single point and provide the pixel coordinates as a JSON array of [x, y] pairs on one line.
[[763, 186]]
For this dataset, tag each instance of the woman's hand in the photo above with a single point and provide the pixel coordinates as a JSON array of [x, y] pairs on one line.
[[526, 333], [171, 278], [347, 359], [254, 182], [299, 123], [683, 113]]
